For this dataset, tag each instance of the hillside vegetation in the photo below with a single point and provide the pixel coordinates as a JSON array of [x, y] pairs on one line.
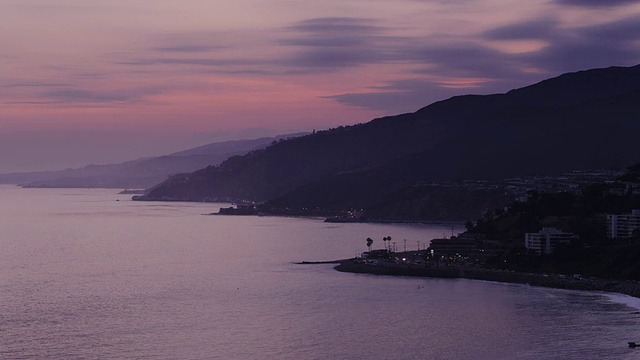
[[584, 214], [587, 119]]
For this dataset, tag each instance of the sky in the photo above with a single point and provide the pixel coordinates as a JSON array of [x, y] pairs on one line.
[[104, 81]]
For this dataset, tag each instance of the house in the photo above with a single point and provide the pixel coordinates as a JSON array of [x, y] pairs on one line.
[[467, 246], [623, 226], [546, 240]]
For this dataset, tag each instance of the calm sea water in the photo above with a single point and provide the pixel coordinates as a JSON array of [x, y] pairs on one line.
[[83, 276]]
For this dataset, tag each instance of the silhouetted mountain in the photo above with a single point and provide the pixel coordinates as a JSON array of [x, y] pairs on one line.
[[587, 119], [144, 172]]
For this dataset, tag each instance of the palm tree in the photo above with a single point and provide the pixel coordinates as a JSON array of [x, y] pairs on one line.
[[387, 238], [369, 243]]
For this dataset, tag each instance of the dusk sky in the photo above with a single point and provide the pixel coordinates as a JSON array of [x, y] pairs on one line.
[[106, 81]]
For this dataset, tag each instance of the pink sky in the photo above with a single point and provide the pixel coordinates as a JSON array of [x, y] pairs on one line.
[[105, 81]]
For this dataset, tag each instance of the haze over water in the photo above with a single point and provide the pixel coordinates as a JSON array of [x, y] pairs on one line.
[[84, 276]]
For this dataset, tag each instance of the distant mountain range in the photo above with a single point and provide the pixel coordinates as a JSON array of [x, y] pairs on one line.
[[141, 173], [587, 119]]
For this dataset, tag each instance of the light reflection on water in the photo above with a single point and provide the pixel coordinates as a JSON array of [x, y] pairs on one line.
[[85, 276]]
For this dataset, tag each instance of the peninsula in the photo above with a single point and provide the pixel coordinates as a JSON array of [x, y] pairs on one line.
[[586, 239]]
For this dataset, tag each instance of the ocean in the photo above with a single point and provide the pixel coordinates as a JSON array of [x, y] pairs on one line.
[[89, 274]]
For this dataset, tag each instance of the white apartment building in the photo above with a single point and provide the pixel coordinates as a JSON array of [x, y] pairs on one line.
[[546, 240], [622, 226]]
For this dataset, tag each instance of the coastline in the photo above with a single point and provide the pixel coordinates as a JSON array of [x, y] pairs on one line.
[[393, 221], [557, 281]]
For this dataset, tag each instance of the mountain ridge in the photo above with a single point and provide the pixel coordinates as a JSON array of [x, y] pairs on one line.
[[586, 119], [143, 172]]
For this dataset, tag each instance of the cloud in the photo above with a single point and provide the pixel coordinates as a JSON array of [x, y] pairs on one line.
[[596, 3], [202, 41], [189, 48], [440, 67], [330, 44], [230, 66], [43, 93], [29, 84], [462, 59], [310, 46], [328, 58], [77, 97], [529, 30], [626, 29], [83, 96], [80, 95], [202, 52], [395, 96], [348, 26], [453, 68], [571, 54], [325, 45], [608, 44], [188, 61], [337, 42], [404, 95]]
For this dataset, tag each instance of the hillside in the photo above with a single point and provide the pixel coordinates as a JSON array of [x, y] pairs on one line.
[[140, 173], [587, 119], [582, 213]]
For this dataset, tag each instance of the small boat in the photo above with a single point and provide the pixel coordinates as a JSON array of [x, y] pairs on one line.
[[633, 344]]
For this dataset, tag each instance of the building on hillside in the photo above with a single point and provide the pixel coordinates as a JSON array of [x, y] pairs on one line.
[[546, 240], [240, 209], [623, 226], [454, 246], [466, 246]]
